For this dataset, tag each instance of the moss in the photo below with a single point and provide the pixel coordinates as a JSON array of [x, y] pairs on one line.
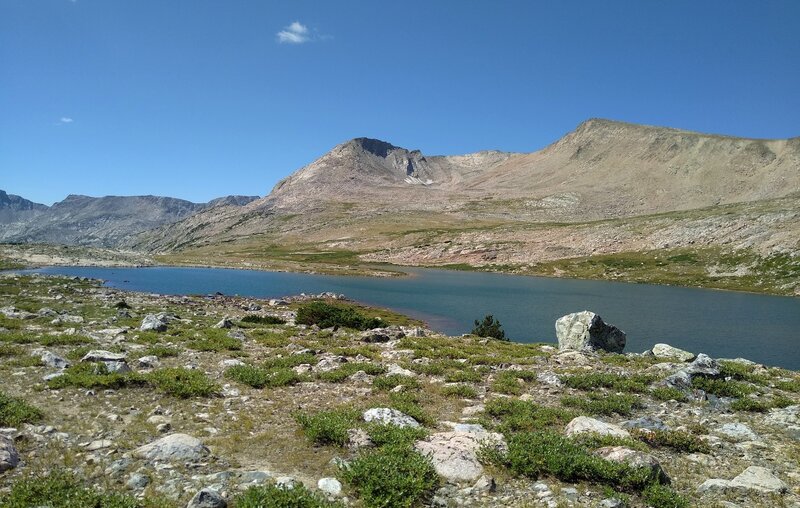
[[15, 411]]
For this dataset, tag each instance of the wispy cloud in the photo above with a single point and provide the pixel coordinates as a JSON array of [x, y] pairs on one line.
[[64, 120], [296, 33]]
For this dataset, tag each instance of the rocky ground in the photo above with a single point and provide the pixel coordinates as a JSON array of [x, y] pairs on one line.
[[130, 399]]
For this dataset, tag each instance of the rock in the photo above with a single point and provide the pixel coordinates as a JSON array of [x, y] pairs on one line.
[[633, 458], [286, 482], [117, 367], [330, 486], [52, 376], [278, 303], [230, 362], [207, 498], [173, 447], [713, 486], [152, 322], [394, 369], [99, 444], [148, 362], [454, 454], [586, 425], [375, 336], [645, 422], [586, 331], [668, 352], [358, 439], [138, 481], [485, 484], [47, 312], [14, 313], [760, 479], [224, 323], [54, 361], [360, 377], [549, 378], [736, 432], [389, 416], [237, 334], [9, 458], [702, 365], [98, 355], [612, 502]]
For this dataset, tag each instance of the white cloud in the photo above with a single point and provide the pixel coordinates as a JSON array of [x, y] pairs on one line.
[[65, 119], [296, 33]]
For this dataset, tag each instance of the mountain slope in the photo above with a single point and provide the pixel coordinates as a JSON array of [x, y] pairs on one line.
[[17, 209], [106, 221]]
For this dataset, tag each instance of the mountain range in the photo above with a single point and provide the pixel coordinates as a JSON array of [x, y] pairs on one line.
[[605, 188]]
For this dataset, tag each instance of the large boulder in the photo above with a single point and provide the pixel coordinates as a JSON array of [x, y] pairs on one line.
[[455, 454], [154, 322], [173, 447], [207, 498], [586, 331], [9, 458], [586, 425], [634, 459], [388, 416], [667, 352], [753, 479]]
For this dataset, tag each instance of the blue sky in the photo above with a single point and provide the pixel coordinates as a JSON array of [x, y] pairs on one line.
[[201, 98]]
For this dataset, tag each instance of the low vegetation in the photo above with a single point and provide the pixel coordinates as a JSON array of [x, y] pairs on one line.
[[326, 315]]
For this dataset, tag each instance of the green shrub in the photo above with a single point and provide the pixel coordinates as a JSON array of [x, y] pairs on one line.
[[60, 489], [636, 383], [273, 496], [182, 383], [489, 327], [666, 393], [751, 405], [328, 427], [462, 391], [514, 415], [676, 439], [392, 435], [15, 411], [604, 404], [409, 403], [536, 454], [326, 315], [10, 350], [506, 382], [465, 375], [258, 377], [216, 344], [94, 375], [289, 361], [661, 496], [161, 351], [263, 320], [391, 476], [348, 369], [391, 381], [741, 371], [721, 387], [789, 386]]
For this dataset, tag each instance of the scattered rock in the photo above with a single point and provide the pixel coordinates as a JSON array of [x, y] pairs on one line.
[[586, 425], [138, 481], [173, 447], [98, 355], [230, 362], [454, 454], [148, 362], [389, 416], [394, 369], [586, 331], [736, 432], [207, 498], [633, 458], [330, 486], [153, 322], [760, 479], [54, 361], [549, 378], [224, 323], [9, 458], [646, 423], [668, 352]]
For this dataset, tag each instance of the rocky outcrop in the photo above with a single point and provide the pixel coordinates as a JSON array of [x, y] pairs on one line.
[[175, 447], [754, 478], [388, 416], [667, 352], [587, 425], [455, 454], [586, 331], [9, 458]]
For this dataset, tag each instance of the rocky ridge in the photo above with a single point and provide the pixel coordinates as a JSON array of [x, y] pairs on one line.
[[183, 412]]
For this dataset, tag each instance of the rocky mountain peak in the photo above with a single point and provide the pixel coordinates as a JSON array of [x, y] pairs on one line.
[[373, 146]]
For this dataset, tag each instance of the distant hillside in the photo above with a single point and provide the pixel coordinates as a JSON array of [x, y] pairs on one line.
[[106, 221]]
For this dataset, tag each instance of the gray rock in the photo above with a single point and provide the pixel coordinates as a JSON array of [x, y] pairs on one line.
[[665, 351], [9, 458], [454, 454], [117, 367], [759, 479], [358, 439], [703, 365], [138, 481], [237, 334], [713, 486], [633, 458], [255, 476], [148, 362], [586, 331], [330, 486], [14, 313], [736, 432], [485, 484], [230, 362], [99, 355], [286, 482], [173, 447], [54, 375], [645, 422], [54, 361], [549, 378], [394, 369], [611, 502], [207, 498], [224, 323], [152, 322], [586, 425], [389, 416]]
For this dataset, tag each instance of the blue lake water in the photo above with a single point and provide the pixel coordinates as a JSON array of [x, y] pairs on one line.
[[723, 324]]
